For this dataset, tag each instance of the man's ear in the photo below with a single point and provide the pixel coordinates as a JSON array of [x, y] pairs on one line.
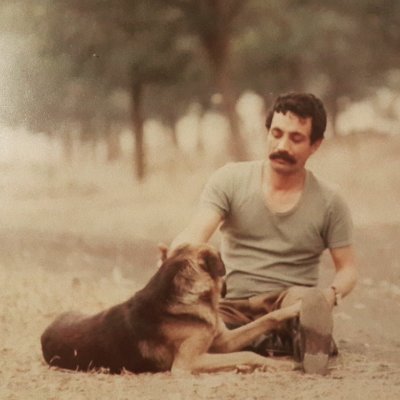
[[212, 262], [315, 146]]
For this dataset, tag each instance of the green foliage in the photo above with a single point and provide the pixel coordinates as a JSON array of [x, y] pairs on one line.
[[73, 55]]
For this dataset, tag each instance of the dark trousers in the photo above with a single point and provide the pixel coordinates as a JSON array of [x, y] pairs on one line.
[[282, 341]]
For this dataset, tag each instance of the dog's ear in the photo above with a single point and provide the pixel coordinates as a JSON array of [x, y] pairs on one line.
[[163, 248], [224, 289], [212, 262]]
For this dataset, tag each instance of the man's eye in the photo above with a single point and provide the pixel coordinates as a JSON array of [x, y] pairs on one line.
[[276, 134], [297, 138]]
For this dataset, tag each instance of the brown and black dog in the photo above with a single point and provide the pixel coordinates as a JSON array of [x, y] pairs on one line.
[[171, 324]]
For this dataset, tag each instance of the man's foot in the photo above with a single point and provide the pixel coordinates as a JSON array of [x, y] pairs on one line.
[[315, 332], [274, 344]]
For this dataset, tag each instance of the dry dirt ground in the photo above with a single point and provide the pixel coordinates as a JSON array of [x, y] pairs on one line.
[[54, 274], [66, 244]]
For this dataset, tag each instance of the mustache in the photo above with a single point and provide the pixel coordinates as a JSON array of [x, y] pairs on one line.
[[282, 155]]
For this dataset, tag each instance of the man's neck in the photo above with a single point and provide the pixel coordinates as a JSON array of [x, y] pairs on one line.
[[276, 181]]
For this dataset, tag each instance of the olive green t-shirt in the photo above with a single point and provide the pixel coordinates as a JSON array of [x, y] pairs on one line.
[[265, 250]]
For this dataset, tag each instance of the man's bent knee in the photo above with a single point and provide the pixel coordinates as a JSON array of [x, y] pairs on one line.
[[293, 295]]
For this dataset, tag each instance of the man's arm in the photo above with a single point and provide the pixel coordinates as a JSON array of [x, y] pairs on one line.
[[204, 223], [346, 273]]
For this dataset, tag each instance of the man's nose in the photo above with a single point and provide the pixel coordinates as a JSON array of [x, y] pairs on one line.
[[283, 143]]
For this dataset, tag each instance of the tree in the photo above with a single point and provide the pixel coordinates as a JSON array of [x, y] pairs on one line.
[[339, 50], [212, 22], [84, 51], [124, 31]]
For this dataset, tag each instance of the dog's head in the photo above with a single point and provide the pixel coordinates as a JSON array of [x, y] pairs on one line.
[[195, 272]]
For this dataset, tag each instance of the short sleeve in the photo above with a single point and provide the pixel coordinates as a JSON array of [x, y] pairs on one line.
[[338, 230], [218, 191]]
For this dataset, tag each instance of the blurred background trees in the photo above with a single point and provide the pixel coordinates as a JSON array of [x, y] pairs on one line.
[[83, 71]]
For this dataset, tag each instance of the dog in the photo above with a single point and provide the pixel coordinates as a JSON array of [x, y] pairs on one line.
[[172, 324]]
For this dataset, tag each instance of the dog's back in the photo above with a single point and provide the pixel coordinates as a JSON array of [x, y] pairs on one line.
[[114, 339], [79, 342]]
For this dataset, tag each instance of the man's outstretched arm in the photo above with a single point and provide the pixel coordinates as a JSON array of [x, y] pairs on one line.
[[202, 226]]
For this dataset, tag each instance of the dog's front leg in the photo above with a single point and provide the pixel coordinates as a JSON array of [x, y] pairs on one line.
[[242, 361], [236, 339], [192, 357], [190, 349]]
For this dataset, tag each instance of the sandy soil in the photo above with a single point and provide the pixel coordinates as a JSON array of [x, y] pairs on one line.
[[69, 244], [366, 327]]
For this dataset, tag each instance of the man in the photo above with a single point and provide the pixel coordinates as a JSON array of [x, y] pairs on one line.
[[276, 218]]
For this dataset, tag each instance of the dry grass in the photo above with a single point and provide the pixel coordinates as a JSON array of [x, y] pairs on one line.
[[31, 299]]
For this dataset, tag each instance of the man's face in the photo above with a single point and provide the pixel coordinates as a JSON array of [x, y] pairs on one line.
[[288, 142]]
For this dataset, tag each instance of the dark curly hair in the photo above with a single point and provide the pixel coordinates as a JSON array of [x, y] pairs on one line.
[[304, 105]]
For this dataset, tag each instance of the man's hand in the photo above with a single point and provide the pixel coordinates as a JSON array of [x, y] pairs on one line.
[[330, 295]]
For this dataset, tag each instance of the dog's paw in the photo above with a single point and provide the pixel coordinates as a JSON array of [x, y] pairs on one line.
[[285, 313], [246, 368], [278, 365]]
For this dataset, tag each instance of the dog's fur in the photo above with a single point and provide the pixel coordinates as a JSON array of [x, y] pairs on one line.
[[171, 324]]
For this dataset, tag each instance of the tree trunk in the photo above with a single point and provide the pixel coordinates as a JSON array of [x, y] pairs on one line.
[[67, 144], [112, 142], [88, 139], [137, 122], [171, 128], [334, 114], [237, 146], [218, 48], [200, 148]]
